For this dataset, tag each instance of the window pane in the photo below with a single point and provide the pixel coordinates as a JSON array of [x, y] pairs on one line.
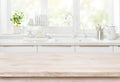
[[116, 15], [93, 12], [60, 13], [29, 7]]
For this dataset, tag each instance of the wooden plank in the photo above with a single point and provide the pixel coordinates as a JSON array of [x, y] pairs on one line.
[[59, 79], [59, 65]]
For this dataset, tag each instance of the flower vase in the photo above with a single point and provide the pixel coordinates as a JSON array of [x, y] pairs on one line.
[[17, 29]]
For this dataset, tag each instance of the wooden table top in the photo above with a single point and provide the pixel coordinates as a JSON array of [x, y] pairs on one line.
[[59, 65]]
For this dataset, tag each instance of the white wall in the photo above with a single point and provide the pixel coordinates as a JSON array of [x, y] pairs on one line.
[[4, 12], [117, 14], [0, 13], [5, 16]]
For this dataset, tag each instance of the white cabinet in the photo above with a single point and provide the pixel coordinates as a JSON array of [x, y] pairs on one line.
[[94, 49], [18, 49], [55, 49], [69, 49], [117, 49]]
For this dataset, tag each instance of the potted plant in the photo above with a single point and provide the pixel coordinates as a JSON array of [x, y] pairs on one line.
[[17, 19]]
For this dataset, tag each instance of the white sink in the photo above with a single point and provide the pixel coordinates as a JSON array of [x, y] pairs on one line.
[[36, 39], [57, 40], [72, 40], [88, 39]]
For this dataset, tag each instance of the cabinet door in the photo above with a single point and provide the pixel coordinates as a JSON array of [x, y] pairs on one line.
[[55, 49], [17, 49], [117, 49], [94, 49]]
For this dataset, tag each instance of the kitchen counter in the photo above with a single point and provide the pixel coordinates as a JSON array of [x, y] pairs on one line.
[[59, 65], [59, 42], [23, 40]]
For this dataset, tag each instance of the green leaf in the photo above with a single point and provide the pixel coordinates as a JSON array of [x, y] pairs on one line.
[[17, 17]]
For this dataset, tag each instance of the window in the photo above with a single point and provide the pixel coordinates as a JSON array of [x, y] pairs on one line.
[[29, 7], [78, 14], [94, 12], [60, 13], [116, 17]]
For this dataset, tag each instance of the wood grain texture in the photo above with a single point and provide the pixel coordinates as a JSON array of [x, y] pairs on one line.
[[59, 65], [59, 79]]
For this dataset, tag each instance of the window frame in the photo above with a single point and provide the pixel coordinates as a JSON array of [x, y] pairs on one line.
[[7, 26]]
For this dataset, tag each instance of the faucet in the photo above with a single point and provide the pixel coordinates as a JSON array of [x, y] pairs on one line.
[[30, 34], [68, 17]]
